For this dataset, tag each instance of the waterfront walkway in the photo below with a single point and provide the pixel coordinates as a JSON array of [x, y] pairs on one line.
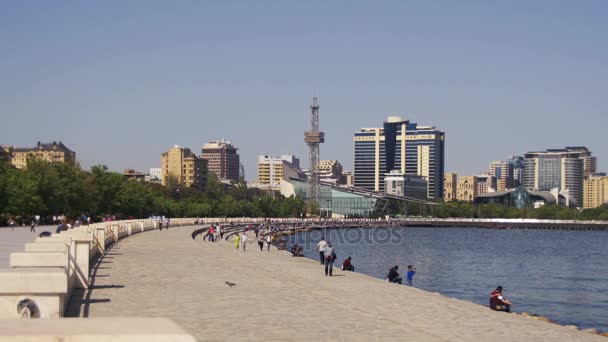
[[13, 241], [278, 297]]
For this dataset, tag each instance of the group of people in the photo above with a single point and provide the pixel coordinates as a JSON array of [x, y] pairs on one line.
[[217, 228], [166, 222], [394, 277], [240, 241]]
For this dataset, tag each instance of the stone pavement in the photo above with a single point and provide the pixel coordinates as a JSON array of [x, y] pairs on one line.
[[14, 241], [278, 297]]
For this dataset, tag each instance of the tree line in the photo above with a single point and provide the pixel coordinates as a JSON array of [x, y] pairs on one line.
[[49, 189]]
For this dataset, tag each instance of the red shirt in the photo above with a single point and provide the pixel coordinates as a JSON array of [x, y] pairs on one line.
[[496, 299]]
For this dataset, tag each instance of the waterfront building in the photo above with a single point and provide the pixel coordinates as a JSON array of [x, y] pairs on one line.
[[394, 183], [485, 183], [502, 171], [55, 152], [466, 189], [556, 169], [521, 197], [450, 181], [399, 145], [273, 170], [222, 159], [181, 166], [589, 161], [595, 191]]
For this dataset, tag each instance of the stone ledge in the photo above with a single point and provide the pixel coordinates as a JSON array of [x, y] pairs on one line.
[[46, 247], [33, 280], [93, 329], [42, 259]]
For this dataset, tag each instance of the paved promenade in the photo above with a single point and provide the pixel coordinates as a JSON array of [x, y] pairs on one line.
[[278, 297], [13, 241]]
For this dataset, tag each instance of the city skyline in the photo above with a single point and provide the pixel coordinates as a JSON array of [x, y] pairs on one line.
[[119, 89]]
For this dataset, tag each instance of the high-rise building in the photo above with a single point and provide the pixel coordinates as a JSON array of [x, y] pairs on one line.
[[517, 163], [222, 159], [595, 191], [589, 161], [450, 181], [466, 189], [502, 171], [182, 167], [52, 152], [272, 170], [399, 145], [485, 183], [559, 169]]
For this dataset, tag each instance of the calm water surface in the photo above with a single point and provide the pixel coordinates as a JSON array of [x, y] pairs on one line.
[[558, 274]]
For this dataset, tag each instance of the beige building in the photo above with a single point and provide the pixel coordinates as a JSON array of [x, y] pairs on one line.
[[52, 152], [184, 167], [272, 170], [595, 191], [450, 181], [466, 189], [222, 159], [485, 183], [503, 173], [331, 167]]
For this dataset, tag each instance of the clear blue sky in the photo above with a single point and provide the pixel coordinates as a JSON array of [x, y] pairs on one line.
[[120, 82]]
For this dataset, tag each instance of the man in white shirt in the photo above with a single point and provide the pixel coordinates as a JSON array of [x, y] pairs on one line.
[[244, 241], [321, 248]]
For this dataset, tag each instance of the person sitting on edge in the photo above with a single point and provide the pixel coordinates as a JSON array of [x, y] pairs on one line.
[[411, 270], [498, 302], [393, 275], [347, 265]]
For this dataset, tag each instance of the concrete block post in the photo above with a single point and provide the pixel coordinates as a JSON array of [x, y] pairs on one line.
[[80, 260], [32, 293], [100, 239], [114, 230]]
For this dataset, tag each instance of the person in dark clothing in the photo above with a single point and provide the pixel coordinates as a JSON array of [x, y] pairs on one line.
[[330, 257], [498, 302], [393, 275], [33, 228], [347, 265], [261, 243]]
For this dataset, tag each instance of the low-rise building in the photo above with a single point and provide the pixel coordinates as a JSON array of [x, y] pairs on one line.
[[466, 189], [183, 167], [485, 183], [131, 174], [595, 191], [55, 152], [450, 181]]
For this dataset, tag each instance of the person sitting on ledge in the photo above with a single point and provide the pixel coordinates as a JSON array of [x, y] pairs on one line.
[[393, 275], [347, 265], [498, 302], [297, 251]]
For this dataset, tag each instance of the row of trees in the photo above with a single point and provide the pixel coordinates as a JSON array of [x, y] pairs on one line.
[[52, 189], [468, 210]]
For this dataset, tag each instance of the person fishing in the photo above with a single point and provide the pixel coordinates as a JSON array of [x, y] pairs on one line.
[[498, 302]]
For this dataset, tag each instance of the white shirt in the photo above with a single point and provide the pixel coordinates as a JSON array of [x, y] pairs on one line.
[[321, 246], [244, 238]]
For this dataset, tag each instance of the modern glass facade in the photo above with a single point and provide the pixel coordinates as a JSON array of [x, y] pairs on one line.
[[338, 202], [399, 145]]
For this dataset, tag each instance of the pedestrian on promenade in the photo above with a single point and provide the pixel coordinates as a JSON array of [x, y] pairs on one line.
[[88, 220], [221, 228], [330, 257], [393, 275], [167, 222], [11, 223], [33, 227], [411, 270], [268, 242], [261, 243], [347, 265], [321, 248], [160, 224], [237, 241], [244, 241], [210, 235]]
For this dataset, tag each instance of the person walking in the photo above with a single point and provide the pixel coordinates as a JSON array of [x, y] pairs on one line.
[[221, 228], [261, 243], [11, 223], [330, 257], [160, 224], [237, 241], [168, 222], [321, 246], [211, 232], [33, 228], [268, 242], [244, 241]]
